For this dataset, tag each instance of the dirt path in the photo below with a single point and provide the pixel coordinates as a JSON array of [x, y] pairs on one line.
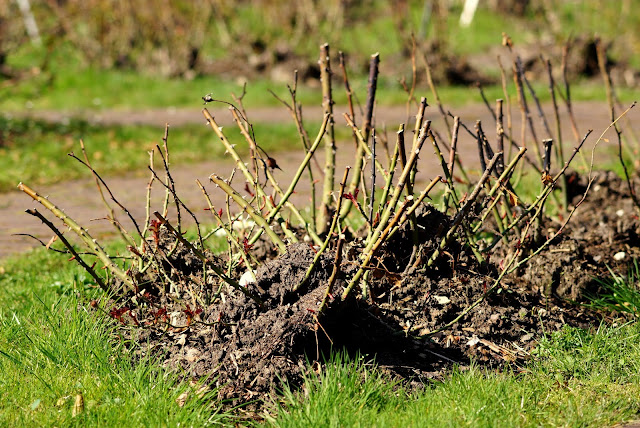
[[80, 200]]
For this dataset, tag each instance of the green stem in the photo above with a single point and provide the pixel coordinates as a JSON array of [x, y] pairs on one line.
[[199, 254], [327, 240], [330, 141], [255, 216], [464, 209], [83, 234]]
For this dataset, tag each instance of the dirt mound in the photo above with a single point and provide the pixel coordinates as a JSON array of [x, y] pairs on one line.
[[603, 235], [247, 349]]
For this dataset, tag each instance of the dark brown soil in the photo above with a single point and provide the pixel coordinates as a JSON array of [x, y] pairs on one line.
[[602, 235], [247, 349]]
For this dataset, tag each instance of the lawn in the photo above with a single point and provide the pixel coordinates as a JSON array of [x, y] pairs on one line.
[[55, 348]]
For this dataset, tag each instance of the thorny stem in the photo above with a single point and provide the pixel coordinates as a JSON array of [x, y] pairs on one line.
[[165, 140], [548, 188], [454, 145], [416, 135], [412, 209], [606, 77], [334, 274], [399, 188], [541, 115], [129, 239], [499, 183], [255, 216], [179, 202], [275, 210], [371, 94], [559, 140], [239, 163], [347, 86], [450, 193], [147, 217], [249, 178], [82, 233], [464, 210], [500, 135], [373, 176], [584, 195], [296, 113], [253, 148], [269, 173], [632, 190], [412, 176], [564, 224], [486, 101], [567, 90], [359, 158], [245, 255], [448, 168], [400, 149], [199, 254], [325, 244], [414, 72], [434, 91], [73, 252], [463, 172], [363, 144], [505, 93], [111, 213], [392, 169], [330, 141], [369, 254], [524, 108]]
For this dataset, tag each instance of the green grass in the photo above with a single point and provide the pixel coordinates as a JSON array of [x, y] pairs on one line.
[[51, 349], [89, 88], [619, 292], [577, 379], [92, 89], [35, 152]]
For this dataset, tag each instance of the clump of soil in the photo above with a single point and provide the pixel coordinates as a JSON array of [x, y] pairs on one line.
[[603, 234], [247, 349]]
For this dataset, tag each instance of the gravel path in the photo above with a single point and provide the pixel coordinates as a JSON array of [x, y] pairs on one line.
[[80, 200]]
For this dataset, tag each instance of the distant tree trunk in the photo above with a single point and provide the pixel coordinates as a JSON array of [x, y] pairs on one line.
[[468, 12], [29, 21]]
